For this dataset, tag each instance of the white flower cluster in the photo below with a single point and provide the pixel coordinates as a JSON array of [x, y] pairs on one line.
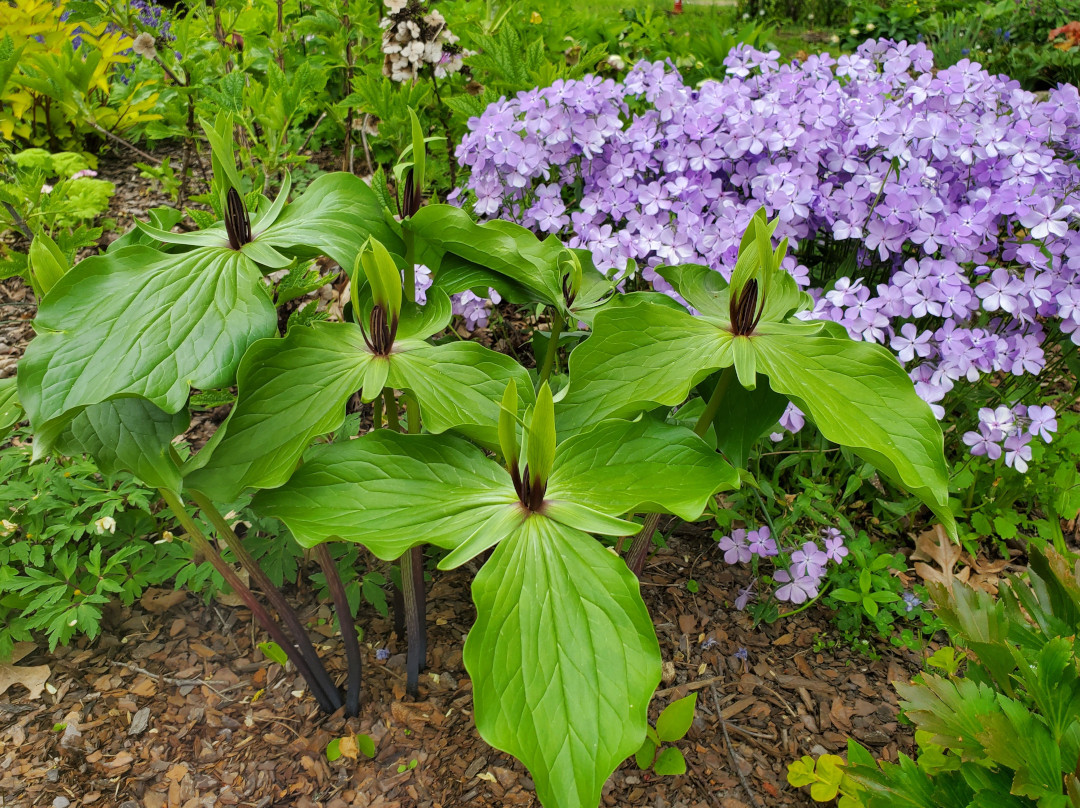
[[414, 37]]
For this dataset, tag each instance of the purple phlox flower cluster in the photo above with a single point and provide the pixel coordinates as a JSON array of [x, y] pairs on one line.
[[382, 654], [742, 545], [806, 568], [955, 192], [1009, 431]]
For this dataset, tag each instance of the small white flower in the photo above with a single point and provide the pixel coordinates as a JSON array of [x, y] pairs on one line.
[[854, 31], [105, 524], [616, 61], [7, 528], [870, 27], [746, 15], [144, 45], [46, 189], [810, 17], [834, 39]]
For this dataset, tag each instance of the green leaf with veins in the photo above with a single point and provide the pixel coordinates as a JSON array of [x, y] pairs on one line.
[[140, 323], [129, 434], [645, 355], [502, 255], [621, 466], [292, 390], [389, 492], [563, 659], [11, 411]]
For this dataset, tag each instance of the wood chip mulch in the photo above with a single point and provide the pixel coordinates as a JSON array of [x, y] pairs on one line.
[[174, 706]]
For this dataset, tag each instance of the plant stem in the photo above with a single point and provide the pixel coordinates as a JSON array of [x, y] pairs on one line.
[[347, 625], [639, 549], [273, 594], [392, 421], [414, 597], [557, 323], [713, 405], [203, 546], [377, 413]]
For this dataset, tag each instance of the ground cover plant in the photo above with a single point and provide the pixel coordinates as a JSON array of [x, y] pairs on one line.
[[997, 718]]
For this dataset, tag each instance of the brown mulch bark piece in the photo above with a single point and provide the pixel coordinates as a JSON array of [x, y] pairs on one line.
[[174, 707]]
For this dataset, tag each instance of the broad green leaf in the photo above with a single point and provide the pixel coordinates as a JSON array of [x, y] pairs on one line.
[[641, 355], [141, 323], [335, 216], [670, 762], [294, 389], [382, 275], [291, 391], [389, 492], [458, 385], [644, 465], [130, 434], [675, 720], [745, 417], [587, 520], [859, 396], [11, 411], [563, 660]]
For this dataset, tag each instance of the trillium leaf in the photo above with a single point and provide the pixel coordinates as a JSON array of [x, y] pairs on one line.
[[644, 465], [294, 389], [859, 396], [563, 659], [458, 385], [746, 415], [503, 521], [129, 434], [291, 390], [334, 216], [640, 356], [11, 411], [505, 247], [389, 492], [141, 323], [587, 520], [213, 236]]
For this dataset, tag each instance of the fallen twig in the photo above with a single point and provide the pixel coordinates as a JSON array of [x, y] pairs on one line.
[[731, 751], [170, 679]]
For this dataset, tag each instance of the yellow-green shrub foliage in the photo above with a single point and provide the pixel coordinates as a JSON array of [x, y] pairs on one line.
[[50, 93]]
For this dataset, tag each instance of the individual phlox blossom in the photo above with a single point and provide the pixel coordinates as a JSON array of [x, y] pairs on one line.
[[796, 588], [761, 542], [1018, 451], [835, 550], [1042, 421], [985, 442], [746, 594], [382, 654], [808, 561], [735, 548]]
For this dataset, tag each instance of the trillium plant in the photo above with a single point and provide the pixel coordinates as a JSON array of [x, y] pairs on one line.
[[527, 472]]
